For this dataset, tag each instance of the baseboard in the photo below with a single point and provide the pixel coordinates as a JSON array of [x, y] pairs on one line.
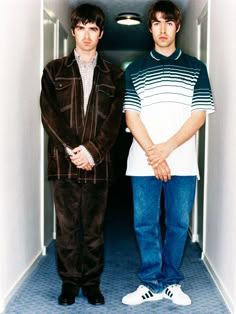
[[228, 301], [193, 236], [6, 299], [2, 306]]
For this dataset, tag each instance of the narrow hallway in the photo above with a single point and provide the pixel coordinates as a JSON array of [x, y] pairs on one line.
[[23, 174], [39, 292]]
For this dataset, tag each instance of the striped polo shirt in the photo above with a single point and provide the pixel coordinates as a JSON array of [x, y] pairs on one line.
[[165, 90]]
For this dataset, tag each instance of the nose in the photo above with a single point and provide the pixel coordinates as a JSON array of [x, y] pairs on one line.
[[86, 34], [163, 28]]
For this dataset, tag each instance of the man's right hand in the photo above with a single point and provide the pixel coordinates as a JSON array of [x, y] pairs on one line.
[[80, 160], [162, 171]]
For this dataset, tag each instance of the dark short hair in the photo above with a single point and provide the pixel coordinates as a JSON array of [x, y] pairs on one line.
[[88, 13], [169, 10]]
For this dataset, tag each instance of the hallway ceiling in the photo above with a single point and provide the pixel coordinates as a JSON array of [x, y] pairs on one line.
[[121, 37]]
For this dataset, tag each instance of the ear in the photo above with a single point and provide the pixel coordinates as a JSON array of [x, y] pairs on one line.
[[101, 34], [177, 30], [72, 32]]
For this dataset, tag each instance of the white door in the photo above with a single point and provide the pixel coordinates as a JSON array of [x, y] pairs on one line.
[[62, 41], [49, 54], [202, 48], [55, 46]]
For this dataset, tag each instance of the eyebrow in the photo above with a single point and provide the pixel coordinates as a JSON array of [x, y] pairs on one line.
[[165, 20], [91, 27]]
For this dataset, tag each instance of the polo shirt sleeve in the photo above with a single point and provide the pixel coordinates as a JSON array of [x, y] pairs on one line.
[[131, 99], [202, 96]]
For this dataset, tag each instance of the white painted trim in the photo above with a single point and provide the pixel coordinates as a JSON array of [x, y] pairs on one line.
[[204, 12], [193, 236], [54, 223], [2, 305], [206, 148], [220, 286], [193, 229], [44, 251], [50, 13], [65, 46], [55, 22], [42, 134], [56, 39], [6, 299]]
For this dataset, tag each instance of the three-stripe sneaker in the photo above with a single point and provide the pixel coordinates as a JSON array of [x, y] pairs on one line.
[[141, 295], [176, 295]]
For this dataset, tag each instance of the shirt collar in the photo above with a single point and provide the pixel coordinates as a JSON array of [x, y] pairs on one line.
[[157, 56], [93, 61]]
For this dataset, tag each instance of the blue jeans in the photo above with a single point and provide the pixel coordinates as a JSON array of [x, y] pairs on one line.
[[161, 258]]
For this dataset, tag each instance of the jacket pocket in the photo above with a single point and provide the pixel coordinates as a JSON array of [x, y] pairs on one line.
[[64, 93], [105, 97]]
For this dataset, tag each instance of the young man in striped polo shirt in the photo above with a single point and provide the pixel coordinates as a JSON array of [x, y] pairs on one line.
[[168, 95]]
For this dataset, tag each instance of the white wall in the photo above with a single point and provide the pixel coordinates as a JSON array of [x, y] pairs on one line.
[[60, 9], [20, 137], [220, 248], [221, 200], [188, 34], [56, 30]]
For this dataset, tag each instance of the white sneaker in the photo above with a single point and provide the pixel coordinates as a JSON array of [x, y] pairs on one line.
[[176, 295], [141, 295]]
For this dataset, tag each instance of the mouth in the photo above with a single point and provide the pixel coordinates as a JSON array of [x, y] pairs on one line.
[[163, 38]]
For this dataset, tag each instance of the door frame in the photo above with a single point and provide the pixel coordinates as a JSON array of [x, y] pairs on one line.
[[57, 48], [199, 218]]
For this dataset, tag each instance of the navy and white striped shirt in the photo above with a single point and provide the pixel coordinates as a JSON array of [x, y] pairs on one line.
[[165, 90]]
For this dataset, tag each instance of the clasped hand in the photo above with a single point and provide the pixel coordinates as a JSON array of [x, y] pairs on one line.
[[80, 160], [156, 156]]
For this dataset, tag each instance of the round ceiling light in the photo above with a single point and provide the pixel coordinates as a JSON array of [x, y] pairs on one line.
[[128, 19]]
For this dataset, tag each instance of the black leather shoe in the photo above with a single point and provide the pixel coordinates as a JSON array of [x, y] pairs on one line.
[[94, 295], [68, 294]]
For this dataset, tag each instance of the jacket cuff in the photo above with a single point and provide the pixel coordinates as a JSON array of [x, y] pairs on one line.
[[88, 155], [94, 152]]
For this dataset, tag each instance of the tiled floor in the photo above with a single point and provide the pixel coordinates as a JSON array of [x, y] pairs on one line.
[[39, 292]]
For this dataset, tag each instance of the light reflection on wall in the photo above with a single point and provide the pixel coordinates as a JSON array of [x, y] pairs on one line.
[[125, 64]]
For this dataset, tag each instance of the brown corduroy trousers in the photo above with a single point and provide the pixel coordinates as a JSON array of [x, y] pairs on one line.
[[80, 210]]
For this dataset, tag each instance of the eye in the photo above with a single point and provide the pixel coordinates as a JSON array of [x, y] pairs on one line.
[[79, 28]]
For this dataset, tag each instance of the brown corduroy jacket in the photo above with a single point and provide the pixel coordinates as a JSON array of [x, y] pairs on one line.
[[63, 118]]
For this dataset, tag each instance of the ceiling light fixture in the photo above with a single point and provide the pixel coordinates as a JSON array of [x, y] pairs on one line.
[[128, 19]]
